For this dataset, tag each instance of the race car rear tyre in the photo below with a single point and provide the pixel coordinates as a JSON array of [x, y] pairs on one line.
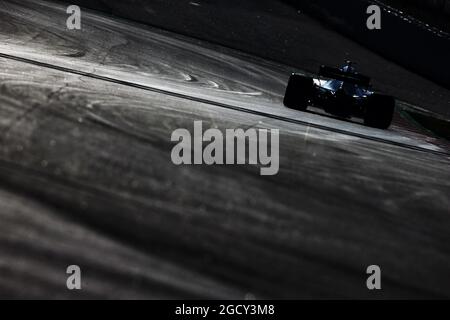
[[298, 92], [379, 111]]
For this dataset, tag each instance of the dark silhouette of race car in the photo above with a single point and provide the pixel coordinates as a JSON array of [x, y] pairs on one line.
[[342, 92]]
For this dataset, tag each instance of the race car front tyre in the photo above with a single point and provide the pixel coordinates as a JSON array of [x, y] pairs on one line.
[[298, 92], [379, 111]]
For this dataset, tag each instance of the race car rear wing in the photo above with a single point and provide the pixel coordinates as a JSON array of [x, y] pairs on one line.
[[338, 74]]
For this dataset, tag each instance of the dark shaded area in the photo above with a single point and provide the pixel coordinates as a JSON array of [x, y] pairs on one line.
[[406, 42], [438, 126], [433, 12]]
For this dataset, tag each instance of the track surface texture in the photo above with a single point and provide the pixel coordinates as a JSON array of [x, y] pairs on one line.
[[275, 30], [86, 176]]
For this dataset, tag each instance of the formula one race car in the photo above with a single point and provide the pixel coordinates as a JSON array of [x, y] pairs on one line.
[[344, 93]]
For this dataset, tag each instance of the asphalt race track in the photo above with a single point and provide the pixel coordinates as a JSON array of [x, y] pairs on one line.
[[86, 176]]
